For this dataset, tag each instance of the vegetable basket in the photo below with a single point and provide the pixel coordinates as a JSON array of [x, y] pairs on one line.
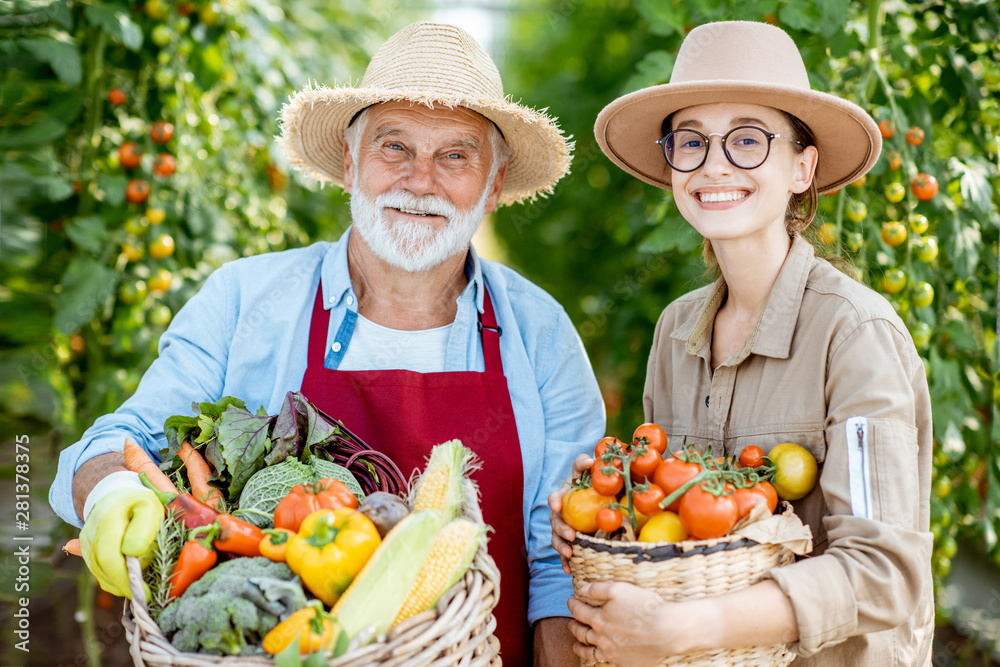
[[458, 631], [689, 570]]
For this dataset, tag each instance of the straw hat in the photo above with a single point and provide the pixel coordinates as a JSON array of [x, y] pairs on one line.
[[435, 65], [747, 62]]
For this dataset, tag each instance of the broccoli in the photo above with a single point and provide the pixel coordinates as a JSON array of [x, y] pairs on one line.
[[213, 617]]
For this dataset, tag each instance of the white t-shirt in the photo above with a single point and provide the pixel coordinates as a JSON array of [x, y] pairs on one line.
[[378, 348]]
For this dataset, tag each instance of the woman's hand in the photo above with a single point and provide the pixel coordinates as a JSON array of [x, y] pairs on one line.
[[562, 534], [634, 627]]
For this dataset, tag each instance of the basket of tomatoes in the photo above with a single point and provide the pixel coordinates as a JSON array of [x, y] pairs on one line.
[[686, 525]]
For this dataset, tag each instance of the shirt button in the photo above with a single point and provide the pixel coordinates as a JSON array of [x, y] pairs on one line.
[[336, 347], [350, 301], [332, 299], [706, 399]]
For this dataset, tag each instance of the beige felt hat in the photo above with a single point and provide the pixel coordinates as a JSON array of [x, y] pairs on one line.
[[435, 65], [746, 62]]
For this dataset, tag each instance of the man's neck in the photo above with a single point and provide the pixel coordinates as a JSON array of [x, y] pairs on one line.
[[405, 300]]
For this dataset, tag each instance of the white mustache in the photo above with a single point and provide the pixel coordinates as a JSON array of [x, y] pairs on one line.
[[404, 201]]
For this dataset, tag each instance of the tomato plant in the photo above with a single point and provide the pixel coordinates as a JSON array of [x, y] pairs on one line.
[[604, 443], [116, 96], [162, 247], [894, 159], [893, 280], [922, 295], [161, 132], [137, 191], [856, 211], [893, 233], [915, 136], [919, 223], [129, 155], [927, 249], [895, 192], [887, 128], [165, 165]]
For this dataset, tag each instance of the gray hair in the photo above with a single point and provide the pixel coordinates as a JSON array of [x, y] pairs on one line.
[[499, 150]]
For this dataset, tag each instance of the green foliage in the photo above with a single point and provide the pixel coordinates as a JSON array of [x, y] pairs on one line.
[[615, 252]]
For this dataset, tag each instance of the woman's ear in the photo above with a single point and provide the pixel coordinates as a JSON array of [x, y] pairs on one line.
[[804, 169]]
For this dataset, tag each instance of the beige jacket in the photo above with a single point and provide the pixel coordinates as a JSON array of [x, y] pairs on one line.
[[825, 350]]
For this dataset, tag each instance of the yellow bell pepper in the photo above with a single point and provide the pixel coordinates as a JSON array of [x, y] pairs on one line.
[[275, 543], [330, 549], [311, 626]]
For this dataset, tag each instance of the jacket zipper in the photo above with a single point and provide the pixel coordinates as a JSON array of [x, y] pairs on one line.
[[859, 468]]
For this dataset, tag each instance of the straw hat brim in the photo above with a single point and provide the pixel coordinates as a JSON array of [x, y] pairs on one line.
[[314, 119], [847, 138]]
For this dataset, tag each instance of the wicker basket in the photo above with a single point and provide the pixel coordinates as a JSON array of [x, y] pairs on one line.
[[686, 571], [459, 631]]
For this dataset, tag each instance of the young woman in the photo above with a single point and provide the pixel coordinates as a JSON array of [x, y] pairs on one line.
[[783, 347]]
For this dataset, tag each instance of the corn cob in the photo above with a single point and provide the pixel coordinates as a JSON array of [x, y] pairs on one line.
[[377, 594], [449, 558], [440, 487]]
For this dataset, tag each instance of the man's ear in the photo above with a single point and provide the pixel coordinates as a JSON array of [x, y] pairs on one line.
[[805, 169], [494, 198], [348, 169]]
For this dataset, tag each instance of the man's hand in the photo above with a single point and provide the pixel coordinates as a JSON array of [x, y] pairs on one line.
[[562, 534], [122, 523], [554, 643]]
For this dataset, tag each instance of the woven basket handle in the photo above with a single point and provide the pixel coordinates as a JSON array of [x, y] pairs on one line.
[[135, 584]]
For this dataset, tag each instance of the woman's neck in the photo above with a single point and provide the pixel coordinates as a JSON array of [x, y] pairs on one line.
[[750, 267]]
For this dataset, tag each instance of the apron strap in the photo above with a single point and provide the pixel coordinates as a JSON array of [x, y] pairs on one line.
[[487, 323], [490, 333]]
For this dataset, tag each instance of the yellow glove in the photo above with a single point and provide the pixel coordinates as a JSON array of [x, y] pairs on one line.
[[122, 523]]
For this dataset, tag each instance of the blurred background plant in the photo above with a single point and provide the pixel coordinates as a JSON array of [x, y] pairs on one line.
[[138, 157]]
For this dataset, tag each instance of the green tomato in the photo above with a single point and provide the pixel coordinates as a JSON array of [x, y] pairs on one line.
[[160, 316], [158, 10], [918, 223], [921, 333], [923, 295], [855, 241], [856, 211], [942, 487], [893, 281], [162, 35], [132, 293], [927, 249]]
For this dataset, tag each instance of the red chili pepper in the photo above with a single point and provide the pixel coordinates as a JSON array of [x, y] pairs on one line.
[[190, 510], [237, 536], [195, 559]]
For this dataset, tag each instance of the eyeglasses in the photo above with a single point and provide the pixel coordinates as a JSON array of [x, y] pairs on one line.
[[746, 147]]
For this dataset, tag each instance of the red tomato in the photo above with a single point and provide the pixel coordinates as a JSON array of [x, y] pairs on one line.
[[746, 499], [648, 502], [644, 465], [705, 515], [116, 97], [769, 491], [924, 187], [886, 128], [672, 474], [604, 484], [129, 155], [161, 132], [165, 165], [602, 446], [654, 435], [915, 136], [752, 456], [137, 191], [609, 520]]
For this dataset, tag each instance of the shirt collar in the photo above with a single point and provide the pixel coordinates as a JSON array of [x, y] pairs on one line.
[[772, 336], [336, 278]]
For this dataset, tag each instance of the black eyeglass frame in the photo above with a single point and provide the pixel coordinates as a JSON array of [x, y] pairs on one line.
[[708, 146]]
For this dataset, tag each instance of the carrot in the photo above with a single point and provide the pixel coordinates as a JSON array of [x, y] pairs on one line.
[[73, 547], [137, 460], [198, 473]]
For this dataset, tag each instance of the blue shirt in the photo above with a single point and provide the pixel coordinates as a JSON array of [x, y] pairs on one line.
[[245, 334]]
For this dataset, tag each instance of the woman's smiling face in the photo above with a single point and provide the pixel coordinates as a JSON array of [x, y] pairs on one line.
[[723, 202]]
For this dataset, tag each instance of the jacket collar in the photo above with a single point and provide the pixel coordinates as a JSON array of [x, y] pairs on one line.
[[772, 337]]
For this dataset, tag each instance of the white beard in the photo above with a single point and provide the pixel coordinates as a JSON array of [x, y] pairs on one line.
[[414, 246]]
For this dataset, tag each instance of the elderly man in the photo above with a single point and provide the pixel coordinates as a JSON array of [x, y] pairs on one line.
[[398, 328]]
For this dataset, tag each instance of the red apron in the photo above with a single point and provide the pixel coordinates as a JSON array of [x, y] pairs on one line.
[[404, 414]]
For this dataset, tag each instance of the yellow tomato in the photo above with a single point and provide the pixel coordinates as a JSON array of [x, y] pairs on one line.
[[855, 241], [860, 182], [856, 211], [923, 295], [579, 509], [828, 233], [893, 281], [132, 252], [895, 192], [162, 247], [156, 215], [161, 281], [893, 233], [664, 527], [795, 470], [918, 223]]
